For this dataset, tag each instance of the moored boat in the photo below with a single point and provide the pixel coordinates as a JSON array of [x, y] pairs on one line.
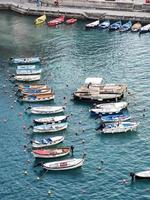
[[26, 67], [56, 21], [25, 60], [126, 27], [109, 108], [46, 109], [50, 128], [37, 98], [50, 120], [104, 24], [28, 71], [136, 27], [47, 142], [92, 25], [33, 86], [36, 91], [27, 78], [40, 20], [140, 175], [51, 153], [115, 26], [119, 127], [119, 117], [145, 29], [71, 21], [64, 164]]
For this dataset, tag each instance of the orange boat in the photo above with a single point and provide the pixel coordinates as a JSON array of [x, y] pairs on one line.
[[56, 21], [71, 21]]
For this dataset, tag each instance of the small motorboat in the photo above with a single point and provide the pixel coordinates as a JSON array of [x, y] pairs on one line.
[[50, 120], [140, 175], [56, 21], [26, 67], [40, 20], [119, 127], [47, 142], [71, 21], [25, 60], [37, 97], [46, 109], [109, 108], [27, 78], [145, 29], [28, 71], [36, 91], [119, 117], [104, 24], [64, 164], [115, 26], [92, 25], [126, 27], [34, 86], [51, 153], [50, 128], [136, 27]]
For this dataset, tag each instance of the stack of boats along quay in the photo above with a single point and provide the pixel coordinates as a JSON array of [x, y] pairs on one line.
[[26, 70], [119, 26], [113, 115]]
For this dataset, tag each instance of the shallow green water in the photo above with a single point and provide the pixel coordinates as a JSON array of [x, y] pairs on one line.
[[69, 55]]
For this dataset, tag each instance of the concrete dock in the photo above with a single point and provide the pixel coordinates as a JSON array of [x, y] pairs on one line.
[[135, 10]]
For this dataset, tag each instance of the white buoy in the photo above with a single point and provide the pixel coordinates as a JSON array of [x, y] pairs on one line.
[[38, 178], [25, 173], [49, 192]]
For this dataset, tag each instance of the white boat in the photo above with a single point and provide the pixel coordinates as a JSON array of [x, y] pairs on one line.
[[141, 175], [26, 67], [93, 24], [119, 127], [27, 78], [145, 29], [49, 120], [64, 164], [47, 142], [50, 128], [25, 60], [109, 108], [28, 71], [46, 109], [51, 153], [36, 91]]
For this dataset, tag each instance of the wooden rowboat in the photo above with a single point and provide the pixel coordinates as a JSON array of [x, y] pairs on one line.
[[51, 153], [50, 120], [71, 21], [46, 109], [50, 128], [27, 78], [28, 71], [47, 142], [33, 86], [37, 98], [64, 164], [25, 60], [36, 91]]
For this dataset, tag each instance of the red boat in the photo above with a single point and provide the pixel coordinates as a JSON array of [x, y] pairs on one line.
[[71, 21], [56, 21]]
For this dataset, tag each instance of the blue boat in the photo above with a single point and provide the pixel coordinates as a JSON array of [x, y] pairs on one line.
[[115, 26], [126, 27], [25, 60], [124, 116], [104, 24]]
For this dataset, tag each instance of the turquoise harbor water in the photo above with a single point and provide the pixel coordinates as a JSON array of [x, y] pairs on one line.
[[69, 55]]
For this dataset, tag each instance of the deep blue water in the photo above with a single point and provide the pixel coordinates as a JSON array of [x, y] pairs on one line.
[[69, 55]]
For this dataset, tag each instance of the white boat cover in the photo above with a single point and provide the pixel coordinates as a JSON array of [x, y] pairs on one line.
[[94, 80]]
